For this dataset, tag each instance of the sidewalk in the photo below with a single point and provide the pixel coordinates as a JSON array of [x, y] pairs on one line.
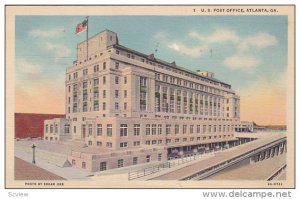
[[68, 173], [27, 171]]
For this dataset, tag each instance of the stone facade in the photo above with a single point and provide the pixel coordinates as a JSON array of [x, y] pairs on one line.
[[118, 100]]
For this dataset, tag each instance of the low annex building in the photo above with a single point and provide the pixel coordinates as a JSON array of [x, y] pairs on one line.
[[131, 108]]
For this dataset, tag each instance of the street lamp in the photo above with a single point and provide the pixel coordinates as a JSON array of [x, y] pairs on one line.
[[33, 154]]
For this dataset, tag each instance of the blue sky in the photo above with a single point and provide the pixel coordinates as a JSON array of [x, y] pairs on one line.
[[240, 50]]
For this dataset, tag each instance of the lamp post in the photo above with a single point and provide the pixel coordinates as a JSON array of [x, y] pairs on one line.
[[33, 154]]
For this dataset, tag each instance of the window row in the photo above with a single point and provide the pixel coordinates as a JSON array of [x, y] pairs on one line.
[[159, 129], [121, 162], [170, 68]]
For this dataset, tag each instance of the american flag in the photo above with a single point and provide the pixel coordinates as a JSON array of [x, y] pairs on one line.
[[81, 26]]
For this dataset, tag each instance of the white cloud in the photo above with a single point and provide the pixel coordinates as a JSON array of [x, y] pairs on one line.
[[218, 36], [260, 40], [242, 47], [46, 33], [242, 62], [59, 50], [190, 51], [27, 68]]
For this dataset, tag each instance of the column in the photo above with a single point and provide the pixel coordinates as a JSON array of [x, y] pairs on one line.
[[272, 152], [168, 99], [160, 96]]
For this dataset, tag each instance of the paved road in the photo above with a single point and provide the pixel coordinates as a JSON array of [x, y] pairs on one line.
[[27, 171]]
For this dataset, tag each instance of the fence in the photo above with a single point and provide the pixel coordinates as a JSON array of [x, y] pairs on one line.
[[276, 174], [147, 171]]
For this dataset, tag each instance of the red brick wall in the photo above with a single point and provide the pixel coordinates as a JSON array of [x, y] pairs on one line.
[[32, 124]]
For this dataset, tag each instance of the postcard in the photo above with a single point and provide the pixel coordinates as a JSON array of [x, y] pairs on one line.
[[189, 96]]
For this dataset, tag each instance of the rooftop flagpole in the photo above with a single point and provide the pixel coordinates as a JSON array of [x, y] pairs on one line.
[[87, 37]]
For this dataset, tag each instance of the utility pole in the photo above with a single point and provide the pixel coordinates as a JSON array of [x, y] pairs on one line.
[[33, 153]]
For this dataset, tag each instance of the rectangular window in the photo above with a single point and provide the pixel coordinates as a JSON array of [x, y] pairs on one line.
[[178, 104], [103, 166], [143, 93], [123, 130], [90, 129], [157, 98], [104, 65], [99, 143], [99, 129], [136, 143], [117, 65], [104, 80], [123, 144], [191, 129], [120, 163], [135, 160], [116, 93], [84, 85], [168, 129], [67, 128], [148, 158], [153, 129], [96, 82], [96, 106], [85, 72], [96, 68], [109, 130], [83, 165], [136, 129], [125, 93], [85, 95], [159, 129], [104, 93], [198, 128], [116, 80], [84, 107], [103, 106], [108, 144], [125, 105], [172, 98], [116, 106], [56, 128], [125, 80], [184, 129], [90, 143], [176, 129], [147, 129]]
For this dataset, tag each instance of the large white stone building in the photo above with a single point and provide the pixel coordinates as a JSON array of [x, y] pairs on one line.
[[131, 108]]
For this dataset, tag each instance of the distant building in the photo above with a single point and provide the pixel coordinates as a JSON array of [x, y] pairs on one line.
[[131, 108], [31, 125]]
